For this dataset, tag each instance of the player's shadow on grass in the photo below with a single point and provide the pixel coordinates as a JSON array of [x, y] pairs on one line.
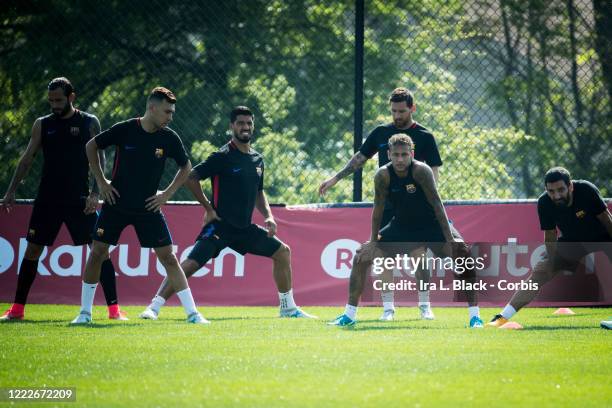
[[535, 328], [96, 326], [576, 315], [395, 327], [219, 319]]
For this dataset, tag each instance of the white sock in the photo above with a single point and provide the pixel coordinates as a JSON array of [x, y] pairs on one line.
[[423, 297], [286, 300], [388, 300], [187, 301], [474, 311], [508, 311], [156, 303], [350, 311], [88, 291]]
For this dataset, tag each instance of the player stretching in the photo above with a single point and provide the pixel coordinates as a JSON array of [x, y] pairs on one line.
[[419, 222], [237, 175], [131, 198], [63, 194], [576, 209], [402, 106]]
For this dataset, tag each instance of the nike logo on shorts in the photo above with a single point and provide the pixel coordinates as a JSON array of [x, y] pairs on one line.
[[236, 170]]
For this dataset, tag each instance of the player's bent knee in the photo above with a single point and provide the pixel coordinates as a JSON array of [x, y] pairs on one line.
[[168, 260], [99, 251], [282, 253], [190, 266]]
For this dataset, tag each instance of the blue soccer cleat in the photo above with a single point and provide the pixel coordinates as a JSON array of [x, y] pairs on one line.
[[476, 323], [342, 321]]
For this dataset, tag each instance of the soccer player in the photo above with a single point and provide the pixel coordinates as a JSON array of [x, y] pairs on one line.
[[237, 175], [63, 194], [419, 222], [574, 208], [142, 147], [402, 107]]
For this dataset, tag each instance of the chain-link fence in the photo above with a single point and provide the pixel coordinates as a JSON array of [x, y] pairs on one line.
[[509, 88]]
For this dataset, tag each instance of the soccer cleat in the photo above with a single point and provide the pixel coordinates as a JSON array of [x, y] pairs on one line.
[[476, 323], [149, 314], [120, 315], [606, 324], [82, 318], [342, 321], [296, 313], [197, 318], [388, 315], [497, 322], [10, 316], [426, 312]]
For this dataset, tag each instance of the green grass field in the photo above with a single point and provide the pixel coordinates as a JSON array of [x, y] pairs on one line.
[[248, 357]]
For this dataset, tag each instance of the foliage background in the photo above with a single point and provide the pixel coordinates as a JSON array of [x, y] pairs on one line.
[[508, 87]]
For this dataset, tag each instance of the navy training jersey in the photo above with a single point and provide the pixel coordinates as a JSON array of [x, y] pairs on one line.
[[236, 179], [410, 205], [425, 147], [140, 159], [65, 171], [577, 222]]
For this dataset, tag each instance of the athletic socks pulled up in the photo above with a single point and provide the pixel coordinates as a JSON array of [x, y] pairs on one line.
[[286, 301], [350, 311], [187, 301], [27, 274]]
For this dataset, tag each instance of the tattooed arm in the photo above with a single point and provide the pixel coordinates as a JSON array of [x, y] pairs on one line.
[[381, 186], [356, 162], [424, 176]]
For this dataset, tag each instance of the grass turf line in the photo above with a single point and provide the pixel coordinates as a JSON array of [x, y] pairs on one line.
[[249, 357]]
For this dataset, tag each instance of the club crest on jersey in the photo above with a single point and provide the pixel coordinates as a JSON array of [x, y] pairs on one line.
[[100, 232], [580, 214], [259, 171], [32, 232], [75, 130], [411, 188], [159, 153]]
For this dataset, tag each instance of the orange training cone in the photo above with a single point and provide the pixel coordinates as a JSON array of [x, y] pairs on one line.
[[564, 311], [511, 326]]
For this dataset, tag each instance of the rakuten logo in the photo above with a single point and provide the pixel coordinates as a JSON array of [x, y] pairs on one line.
[[69, 260], [337, 258]]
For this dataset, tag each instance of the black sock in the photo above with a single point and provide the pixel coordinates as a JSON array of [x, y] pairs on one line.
[[27, 274], [108, 282]]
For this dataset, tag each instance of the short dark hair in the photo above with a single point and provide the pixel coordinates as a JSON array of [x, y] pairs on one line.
[[401, 140], [555, 174], [159, 93], [63, 83], [240, 110], [402, 95]]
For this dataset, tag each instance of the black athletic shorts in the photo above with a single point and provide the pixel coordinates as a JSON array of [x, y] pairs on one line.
[[151, 227], [568, 255], [217, 235], [47, 219], [399, 239]]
